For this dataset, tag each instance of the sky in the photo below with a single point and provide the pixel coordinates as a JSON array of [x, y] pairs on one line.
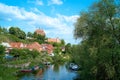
[[55, 17]]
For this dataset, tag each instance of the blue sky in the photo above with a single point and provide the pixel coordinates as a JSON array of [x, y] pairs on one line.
[[55, 17]]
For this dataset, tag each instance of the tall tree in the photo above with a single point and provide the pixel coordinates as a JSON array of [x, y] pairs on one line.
[[39, 38], [29, 34], [3, 30], [68, 48], [62, 42], [99, 51], [17, 32]]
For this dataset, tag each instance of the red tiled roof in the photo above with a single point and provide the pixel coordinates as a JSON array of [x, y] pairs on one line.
[[17, 45], [39, 31], [43, 47], [47, 47], [35, 46], [56, 40], [31, 46]]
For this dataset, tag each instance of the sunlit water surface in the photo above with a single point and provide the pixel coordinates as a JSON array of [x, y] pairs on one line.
[[51, 72]]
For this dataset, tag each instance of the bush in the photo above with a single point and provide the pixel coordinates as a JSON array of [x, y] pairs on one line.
[[2, 49]]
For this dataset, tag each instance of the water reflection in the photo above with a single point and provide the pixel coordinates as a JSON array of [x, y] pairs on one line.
[[56, 67], [51, 72], [39, 73]]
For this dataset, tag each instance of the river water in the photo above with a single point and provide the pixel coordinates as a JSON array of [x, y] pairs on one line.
[[51, 72]]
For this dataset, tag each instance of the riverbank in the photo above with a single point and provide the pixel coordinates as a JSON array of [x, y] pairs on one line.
[[51, 72], [10, 67]]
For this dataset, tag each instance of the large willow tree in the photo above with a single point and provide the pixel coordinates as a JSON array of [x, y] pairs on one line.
[[99, 52]]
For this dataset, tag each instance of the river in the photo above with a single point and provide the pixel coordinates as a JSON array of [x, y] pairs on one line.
[[51, 72]]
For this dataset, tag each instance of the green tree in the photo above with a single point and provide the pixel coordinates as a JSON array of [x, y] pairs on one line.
[[2, 49], [29, 34], [99, 51], [3, 30], [24, 53], [68, 48], [17, 32], [57, 50], [39, 38], [62, 42]]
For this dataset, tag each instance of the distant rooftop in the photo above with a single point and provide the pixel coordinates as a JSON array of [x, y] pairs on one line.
[[40, 31], [56, 40]]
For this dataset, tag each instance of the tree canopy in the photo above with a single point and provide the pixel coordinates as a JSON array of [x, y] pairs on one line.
[[17, 32], [2, 49], [29, 34], [99, 51]]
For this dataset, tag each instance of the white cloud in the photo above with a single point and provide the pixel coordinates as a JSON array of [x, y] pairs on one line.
[[59, 26], [36, 10], [36, 2], [57, 2], [39, 2], [68, 18]]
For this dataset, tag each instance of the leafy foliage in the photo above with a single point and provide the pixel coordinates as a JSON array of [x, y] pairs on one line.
[[2, 49], [29, 34], [3, 30], [7, 73], [68, 48], [39, 38], [17, 32], [24, 53], [62, 42], [99, 51]]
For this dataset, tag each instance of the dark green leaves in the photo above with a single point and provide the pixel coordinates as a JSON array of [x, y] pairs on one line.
[[98, 52], [17, 32]]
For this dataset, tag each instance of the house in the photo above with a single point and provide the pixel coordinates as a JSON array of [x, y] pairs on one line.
[[48, 48], [40, 32], [17, 45], [54, 40], [35, 46], [32, 46]]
